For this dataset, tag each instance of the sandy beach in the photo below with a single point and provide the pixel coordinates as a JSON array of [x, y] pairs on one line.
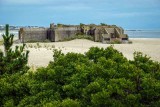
[[42, 53]]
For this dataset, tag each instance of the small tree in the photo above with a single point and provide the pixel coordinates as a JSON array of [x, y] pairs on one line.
[[8, 40], [12, 61]]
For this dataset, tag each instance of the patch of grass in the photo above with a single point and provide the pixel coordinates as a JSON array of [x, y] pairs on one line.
[[130, 42], [79, 37], [38, 45], [46, 40], [35, 41], [116, 42], [1, 42], [53, 46], [84, 37], [31, 41], [30, 45]]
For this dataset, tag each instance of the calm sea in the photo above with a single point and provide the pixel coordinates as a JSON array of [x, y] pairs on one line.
[[131, 34], [144, 34], [15, 32]]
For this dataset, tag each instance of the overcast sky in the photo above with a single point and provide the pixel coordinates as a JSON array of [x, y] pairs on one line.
[[129, 14]]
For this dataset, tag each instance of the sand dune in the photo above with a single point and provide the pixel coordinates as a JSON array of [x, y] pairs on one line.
[[41, 55]]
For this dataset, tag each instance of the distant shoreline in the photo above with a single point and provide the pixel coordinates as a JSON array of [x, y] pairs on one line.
[[145, 38]]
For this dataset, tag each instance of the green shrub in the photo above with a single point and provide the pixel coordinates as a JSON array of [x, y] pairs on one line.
[[12, 61], [99, 78], [116, 42], [78, 37]]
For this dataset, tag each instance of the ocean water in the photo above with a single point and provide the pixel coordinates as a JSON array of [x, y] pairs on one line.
[[131, 34], [15, 32], [143, 34]]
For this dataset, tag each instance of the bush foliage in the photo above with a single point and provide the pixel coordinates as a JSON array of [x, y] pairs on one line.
[[99, 78], [12, 61]]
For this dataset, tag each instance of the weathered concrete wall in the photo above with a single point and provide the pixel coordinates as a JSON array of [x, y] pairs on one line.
[[32, 34], [106, 38], [65, 32], [117, 33], [60, 33], [51, 35], [121, 30], [97, 35], [110, 30]]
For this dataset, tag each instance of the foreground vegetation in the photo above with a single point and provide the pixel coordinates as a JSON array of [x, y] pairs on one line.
[[98, 78], [1, 42]]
